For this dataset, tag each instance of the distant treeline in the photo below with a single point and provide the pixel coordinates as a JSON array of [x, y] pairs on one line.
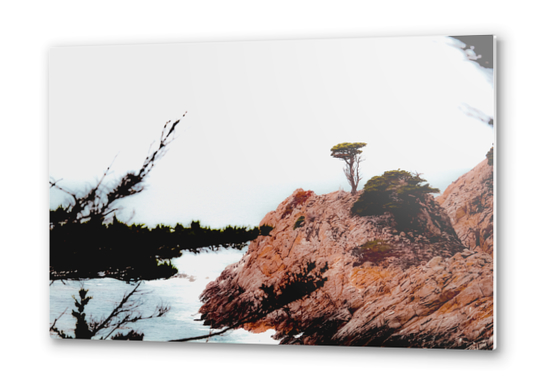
[[134, 252]]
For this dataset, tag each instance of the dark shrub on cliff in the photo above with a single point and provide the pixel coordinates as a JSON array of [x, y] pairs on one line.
[[397, 192]]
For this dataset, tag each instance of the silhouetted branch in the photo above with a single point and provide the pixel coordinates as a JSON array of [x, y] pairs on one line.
[[296, 286], [204, 336], [88, 241], [125, 312], [56, 330], [98, 203]]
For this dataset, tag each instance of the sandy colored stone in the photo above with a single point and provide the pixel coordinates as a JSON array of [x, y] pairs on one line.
[[427, 292], [469, 203]]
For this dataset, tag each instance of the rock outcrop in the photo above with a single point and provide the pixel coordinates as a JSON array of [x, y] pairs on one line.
[[324, 276], [468, 201]]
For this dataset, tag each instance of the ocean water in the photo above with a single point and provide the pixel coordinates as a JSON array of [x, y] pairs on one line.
[[181, 294]]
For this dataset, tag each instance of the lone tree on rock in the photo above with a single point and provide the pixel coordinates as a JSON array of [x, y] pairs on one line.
[[351, 154]]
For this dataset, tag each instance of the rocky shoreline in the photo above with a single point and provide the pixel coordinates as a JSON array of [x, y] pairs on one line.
[[326, 277]]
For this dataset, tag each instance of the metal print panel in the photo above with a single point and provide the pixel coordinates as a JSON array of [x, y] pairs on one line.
[[314, 192]]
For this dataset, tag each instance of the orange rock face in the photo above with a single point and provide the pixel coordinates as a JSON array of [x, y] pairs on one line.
[[469, 203], [324, 276]]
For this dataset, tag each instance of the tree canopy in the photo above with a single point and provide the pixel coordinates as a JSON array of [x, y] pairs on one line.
[[347, 150], [351, 154], [397, 192]]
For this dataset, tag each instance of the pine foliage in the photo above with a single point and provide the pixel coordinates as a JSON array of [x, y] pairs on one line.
[[397, 192], [350, 153]]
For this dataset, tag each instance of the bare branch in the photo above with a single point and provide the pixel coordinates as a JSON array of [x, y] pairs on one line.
[[58, 318], [53, 184], [203, 337], [98, 203], [126, 313], [53, 327], [105, 173], [116, 311]]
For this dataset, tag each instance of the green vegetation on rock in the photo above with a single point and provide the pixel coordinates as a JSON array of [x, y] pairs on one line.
[[299, 222], [397, 192], [373, 251]]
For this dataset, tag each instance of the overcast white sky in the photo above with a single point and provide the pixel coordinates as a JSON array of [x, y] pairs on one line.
[[262, 117]]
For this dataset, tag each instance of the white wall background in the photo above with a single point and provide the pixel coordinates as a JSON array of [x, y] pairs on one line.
[[29, 29]]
